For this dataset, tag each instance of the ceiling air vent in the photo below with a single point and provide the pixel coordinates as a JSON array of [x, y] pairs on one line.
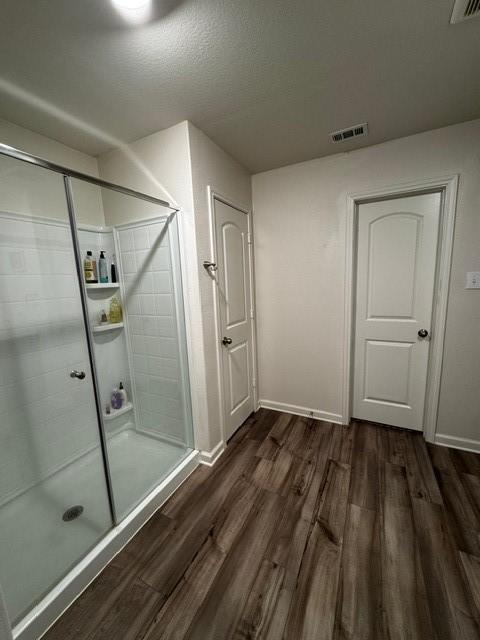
[[351, 132], [464, 10]]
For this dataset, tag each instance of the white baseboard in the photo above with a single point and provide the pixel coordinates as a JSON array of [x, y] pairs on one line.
[[210, 457], [457, 443], [301, 411]]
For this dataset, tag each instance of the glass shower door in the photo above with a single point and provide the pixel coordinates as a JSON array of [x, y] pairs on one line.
[[139, 342], [54, 503]]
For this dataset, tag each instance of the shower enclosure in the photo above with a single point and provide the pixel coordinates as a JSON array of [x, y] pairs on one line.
[[75, 467]]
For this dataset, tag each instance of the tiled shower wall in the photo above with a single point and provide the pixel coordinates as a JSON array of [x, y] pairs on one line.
[[47, 417], [147, 268]]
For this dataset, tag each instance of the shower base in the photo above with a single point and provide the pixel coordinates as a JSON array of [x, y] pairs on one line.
[[42, 546]]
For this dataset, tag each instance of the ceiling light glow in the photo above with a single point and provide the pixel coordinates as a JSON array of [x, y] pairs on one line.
[[135, 11]]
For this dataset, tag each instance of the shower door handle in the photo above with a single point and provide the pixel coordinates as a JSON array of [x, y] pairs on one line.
[[77, 374]]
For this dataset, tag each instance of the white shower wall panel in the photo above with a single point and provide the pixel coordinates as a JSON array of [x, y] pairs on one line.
[[47, 418], [152, 325]]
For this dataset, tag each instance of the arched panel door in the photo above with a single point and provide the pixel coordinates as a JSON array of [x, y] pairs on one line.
[[396, 258], [233, 281]]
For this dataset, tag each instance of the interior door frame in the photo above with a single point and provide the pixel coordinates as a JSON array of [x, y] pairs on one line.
[[448, 187], [214, 194]]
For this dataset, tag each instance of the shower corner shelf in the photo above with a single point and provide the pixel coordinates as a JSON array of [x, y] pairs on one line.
[[118, 412], [101, 328], [102, 285]]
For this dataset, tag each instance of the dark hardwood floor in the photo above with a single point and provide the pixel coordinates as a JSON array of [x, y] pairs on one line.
[[303, 530]]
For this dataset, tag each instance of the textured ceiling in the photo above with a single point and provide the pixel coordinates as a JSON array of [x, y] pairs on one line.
[[266, 79]]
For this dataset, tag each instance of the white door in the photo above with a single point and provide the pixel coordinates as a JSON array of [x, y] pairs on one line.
[[396, 257], [233, 281]]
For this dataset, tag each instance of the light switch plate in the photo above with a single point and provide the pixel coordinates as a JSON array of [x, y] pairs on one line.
[[473, 280]]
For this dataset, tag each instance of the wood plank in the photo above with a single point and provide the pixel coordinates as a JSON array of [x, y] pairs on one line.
[[265, 616], [449, 602], [274, 475], [471, 485], [304, 436], [176, 616], [312, 612], [391, 445], [131, 614], [262, 422], [221, 611], [471, 567], [421, 477], [365, 436], [404, 599], [364, 480], [360, 587], [262, 603], [459, 511], [276, 437], [187, 490], [466, 461], [342, 442]]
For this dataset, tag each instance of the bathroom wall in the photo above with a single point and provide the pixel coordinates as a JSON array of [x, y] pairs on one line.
[[299, 223], [47, 417], [24, 188]]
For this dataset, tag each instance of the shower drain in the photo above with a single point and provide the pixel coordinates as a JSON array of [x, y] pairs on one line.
[[72, 513]]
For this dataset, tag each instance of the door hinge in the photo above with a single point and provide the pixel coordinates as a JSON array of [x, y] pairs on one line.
[[249, 238], [254, 382], [251, 314]]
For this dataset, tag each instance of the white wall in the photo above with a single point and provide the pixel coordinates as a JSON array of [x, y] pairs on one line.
[[158, 165], [20, 183], [211, 166], [299, 222]]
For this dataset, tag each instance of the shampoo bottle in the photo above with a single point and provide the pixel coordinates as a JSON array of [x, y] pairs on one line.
[[115, 311], [113, 270], [116, 400], [90, 269], [121, 390], [102, 267]]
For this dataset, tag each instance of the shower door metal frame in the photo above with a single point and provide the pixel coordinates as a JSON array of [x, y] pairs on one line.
[[68, 174], [91, 352], [12, 152]]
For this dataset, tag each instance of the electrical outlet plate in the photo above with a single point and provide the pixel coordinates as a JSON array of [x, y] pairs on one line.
[[473, 280]]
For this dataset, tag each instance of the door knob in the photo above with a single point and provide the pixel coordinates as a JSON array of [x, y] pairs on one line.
[[423, 333], [77, 374], [226, 341]]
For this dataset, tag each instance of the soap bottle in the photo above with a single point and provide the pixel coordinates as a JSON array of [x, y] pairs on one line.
[[90, 269], [115, 311], [116, 400], [123, 393], [113, 270], [102, 267]]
